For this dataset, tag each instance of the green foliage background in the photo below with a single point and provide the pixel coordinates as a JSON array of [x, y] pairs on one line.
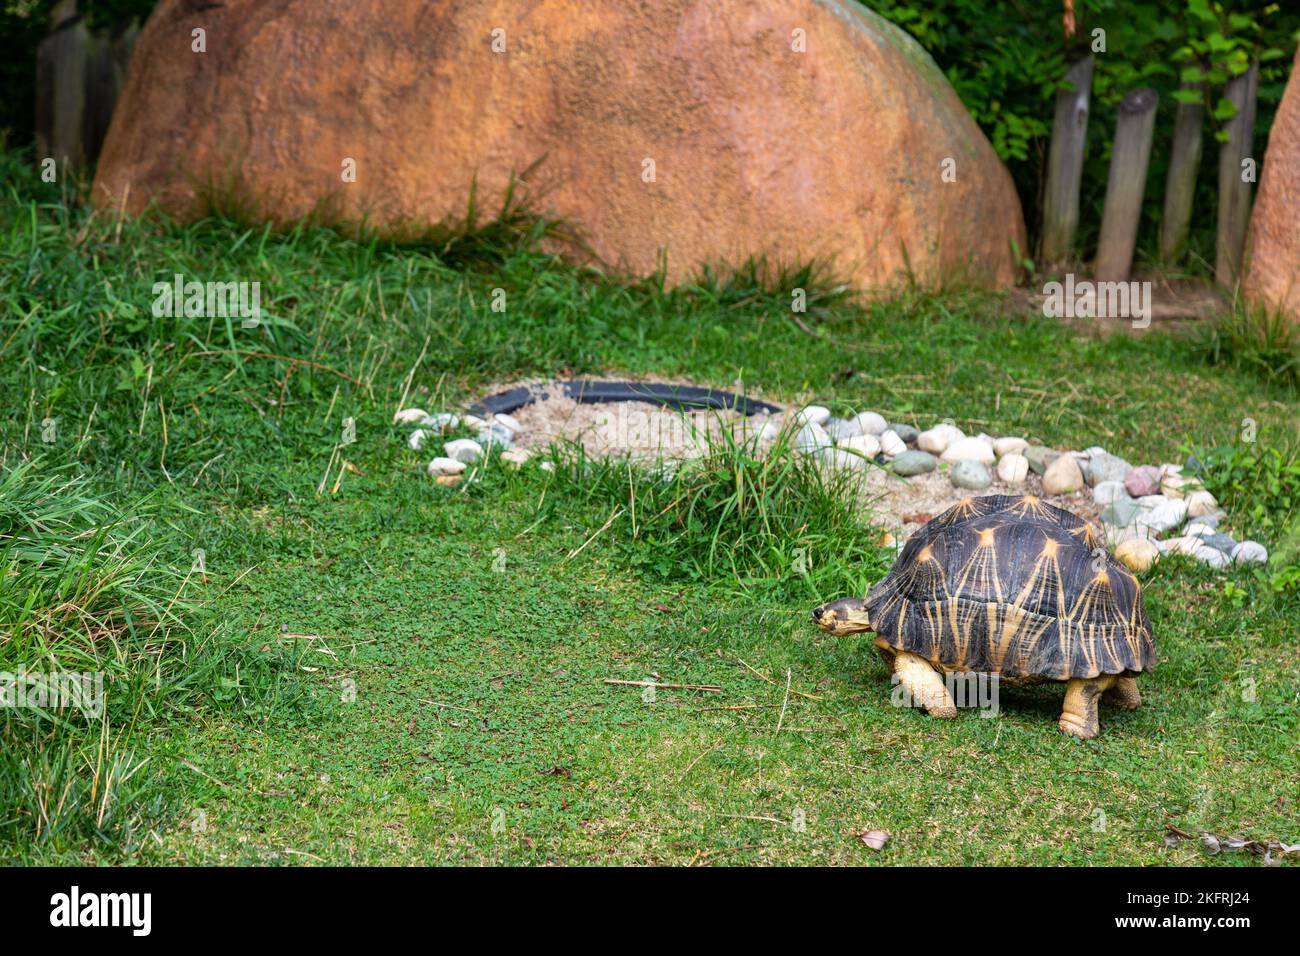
[[1004, 59]]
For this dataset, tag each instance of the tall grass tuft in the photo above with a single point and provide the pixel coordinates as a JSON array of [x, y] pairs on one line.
[[92, 591], [1263, 339], [767, 523]]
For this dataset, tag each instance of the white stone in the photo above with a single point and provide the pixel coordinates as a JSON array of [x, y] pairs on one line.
[[1177, 486], [508, 421], [890, 444], [547, 466], [868, 445], [968, 449], [770, 430], [464, 450], [1008, 445], [870, 423], [1201, 503], [841, 459], [1161, 516], [1013, 468], [473, 421], [440, 421], [935, 440], [445, 466], [1183, 545], [497, 435], [1251, 552], [409, 416], [515, 457], [813, 414], [1117, 534], [1063, 476], [1108, 492], [811, 437], [418, 438], [1211, 556], [1137, 554], [839, 428]]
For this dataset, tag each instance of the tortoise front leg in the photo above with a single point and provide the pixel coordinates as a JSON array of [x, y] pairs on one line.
[[1079, 716], [924, 685], [1124, 694]]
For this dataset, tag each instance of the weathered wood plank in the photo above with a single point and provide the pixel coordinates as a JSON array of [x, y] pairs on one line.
[[61, 93], [1126, 185], [1234, 189], [1180, 181], [1065, 163]]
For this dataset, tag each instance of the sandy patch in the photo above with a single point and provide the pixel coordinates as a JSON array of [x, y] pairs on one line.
[[640, 430]]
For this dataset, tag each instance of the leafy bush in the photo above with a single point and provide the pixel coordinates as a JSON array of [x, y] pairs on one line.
[[1259, 484]]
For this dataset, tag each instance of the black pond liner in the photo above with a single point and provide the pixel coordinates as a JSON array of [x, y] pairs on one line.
[[589, 392]]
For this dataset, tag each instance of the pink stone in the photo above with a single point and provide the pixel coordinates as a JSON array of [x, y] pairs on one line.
[[1143, 480]]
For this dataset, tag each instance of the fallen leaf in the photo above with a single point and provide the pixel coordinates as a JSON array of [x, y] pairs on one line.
[[874, 839]]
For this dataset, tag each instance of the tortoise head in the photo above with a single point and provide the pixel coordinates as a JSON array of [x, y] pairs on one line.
[[847, 615]]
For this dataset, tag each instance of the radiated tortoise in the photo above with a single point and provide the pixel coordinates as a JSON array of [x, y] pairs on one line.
[[1009, 586]]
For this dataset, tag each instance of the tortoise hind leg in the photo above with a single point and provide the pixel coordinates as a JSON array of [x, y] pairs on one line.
[[1124, 694], [924, 685], [1079, 716]]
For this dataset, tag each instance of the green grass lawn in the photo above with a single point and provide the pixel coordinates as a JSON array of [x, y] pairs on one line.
[[397, 672]]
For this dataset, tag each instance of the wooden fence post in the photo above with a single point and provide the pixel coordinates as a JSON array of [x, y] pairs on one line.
[[1065, 163], [1125, 185], [61, 93], [1234, 190], [1180, 183]]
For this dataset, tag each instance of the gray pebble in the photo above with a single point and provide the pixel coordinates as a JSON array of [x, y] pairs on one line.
[[1121, 513], [908, 433], [1101, 466], [915, 463], [969, 473], [1040, 456], [1220, 542]]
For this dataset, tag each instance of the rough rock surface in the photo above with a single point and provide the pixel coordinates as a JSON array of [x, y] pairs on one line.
[[1273, 247], [837, 152]]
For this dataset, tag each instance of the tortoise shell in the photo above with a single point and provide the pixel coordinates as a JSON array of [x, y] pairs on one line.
[[1014, 586]]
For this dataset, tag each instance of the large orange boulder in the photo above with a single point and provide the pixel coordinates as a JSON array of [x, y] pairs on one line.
[[1273, 247], [699, 131]]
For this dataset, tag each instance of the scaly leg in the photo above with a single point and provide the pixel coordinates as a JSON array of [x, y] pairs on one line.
[[1124, 694], [924, 684], [1079, 716]]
